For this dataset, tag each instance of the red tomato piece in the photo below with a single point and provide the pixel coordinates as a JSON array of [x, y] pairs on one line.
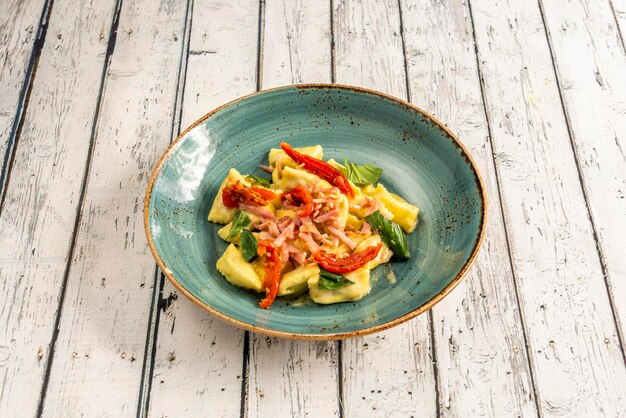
[[330, 262], [236, 193], [320, 168], [272, 272], [301, 197], [266, 194]]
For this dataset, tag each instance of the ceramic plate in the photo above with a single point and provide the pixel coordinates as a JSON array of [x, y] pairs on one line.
[[423, 162]]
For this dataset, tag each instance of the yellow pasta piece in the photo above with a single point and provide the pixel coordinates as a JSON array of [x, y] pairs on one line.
[[281, 213], [224, 231], [237, 271], [293, 178], [347, 293], [403, 213], [219, 213], [384, 255], [296, 281], [315, 151], [355, 222], [344, 210]]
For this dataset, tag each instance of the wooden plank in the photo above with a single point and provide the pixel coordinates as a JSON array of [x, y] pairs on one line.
[[574, 347], [297, 43], [400, 375], [294, 378], [21, 25], [198, 363], [108, 294], [590, 63], [42, 198], [478, 332]]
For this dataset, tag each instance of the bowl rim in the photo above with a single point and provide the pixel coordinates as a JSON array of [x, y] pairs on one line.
[[340, 335]]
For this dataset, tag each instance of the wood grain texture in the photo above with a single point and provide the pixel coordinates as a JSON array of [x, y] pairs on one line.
[[619, 11], [574, 347], [389, 373], [296, 43], [108, 294], [590, 62], [198, 364], [40, 209], [19, 29], [293, 378], [479, 338]]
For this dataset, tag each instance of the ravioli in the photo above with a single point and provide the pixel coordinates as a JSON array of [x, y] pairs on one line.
[[308, 228]]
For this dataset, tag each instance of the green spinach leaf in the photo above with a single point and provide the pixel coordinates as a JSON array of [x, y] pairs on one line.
[[361, 174], [391, 234], [258, 180], [240, 221], [249, 244], [332, 281]]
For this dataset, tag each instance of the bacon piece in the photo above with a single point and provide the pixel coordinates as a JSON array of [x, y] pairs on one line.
[[273, 229], [265, 236], [327, 216], [262, 212], [285, 234], [343, 237], [297, 254], [308, 240]]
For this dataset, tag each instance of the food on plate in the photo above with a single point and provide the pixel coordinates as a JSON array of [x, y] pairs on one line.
[[315, 226]]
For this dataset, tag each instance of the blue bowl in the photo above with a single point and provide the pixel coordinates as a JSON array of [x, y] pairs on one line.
[[423, 162]]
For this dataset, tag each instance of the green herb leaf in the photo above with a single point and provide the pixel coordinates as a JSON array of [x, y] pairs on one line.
[[258, 180], [240, 221], [361, 174], [391, 234], [249, 244], [332, 281]]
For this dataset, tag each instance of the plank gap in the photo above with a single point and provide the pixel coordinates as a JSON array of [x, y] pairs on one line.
[[260, 42], [332, 46]]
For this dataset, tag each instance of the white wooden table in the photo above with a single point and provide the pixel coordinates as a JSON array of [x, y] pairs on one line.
[[92, 92]]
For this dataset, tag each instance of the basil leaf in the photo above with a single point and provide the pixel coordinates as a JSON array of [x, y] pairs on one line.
[[361, 174], [258, 180], [240, 221], [391, 234], [332, 281], [248, 244]]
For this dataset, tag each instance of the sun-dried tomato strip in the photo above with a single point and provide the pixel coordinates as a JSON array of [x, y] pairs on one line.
[[301, 197], [330, 262], [272, 272], [237, 193], [320, 168]]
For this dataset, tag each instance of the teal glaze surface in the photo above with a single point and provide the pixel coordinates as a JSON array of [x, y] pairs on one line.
[[422, 163]]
